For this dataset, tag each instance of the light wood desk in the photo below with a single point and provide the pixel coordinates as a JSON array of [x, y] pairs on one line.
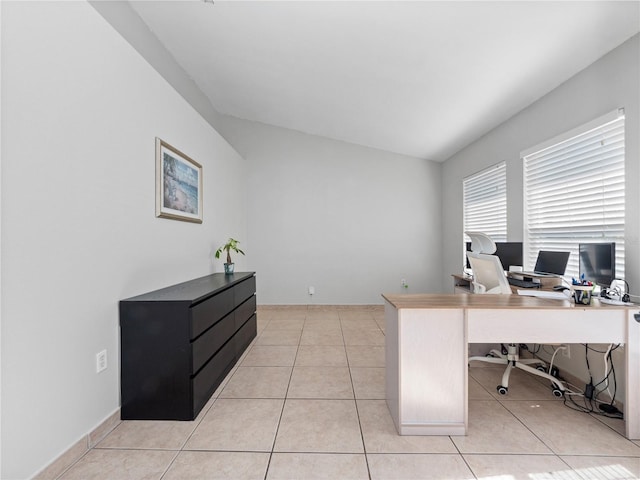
[[426, 349]]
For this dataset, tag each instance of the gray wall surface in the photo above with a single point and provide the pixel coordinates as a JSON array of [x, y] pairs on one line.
[[80, 113], [348, 220]]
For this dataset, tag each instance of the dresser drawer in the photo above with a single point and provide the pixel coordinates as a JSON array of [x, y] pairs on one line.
[[212, 374], [245, 311], [244, 290], [245, 335], [205, 314], [210, 341]]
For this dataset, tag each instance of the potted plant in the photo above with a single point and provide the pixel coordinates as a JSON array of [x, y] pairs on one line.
[[232, 244]]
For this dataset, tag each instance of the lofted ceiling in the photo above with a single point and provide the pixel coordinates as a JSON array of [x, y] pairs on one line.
[[423, 79]]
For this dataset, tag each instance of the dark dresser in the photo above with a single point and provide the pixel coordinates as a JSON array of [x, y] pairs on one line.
[[178, 343]]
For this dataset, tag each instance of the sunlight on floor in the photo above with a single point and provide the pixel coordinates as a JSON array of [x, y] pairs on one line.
[[605, 472]]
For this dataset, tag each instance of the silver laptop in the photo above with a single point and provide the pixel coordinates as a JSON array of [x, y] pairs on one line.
[[549, 264]]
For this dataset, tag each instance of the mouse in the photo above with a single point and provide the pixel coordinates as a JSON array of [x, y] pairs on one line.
[[560, 288]]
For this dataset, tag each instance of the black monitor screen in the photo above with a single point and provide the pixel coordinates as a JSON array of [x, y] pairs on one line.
[[551, 262], [510, 253], [598, 262]]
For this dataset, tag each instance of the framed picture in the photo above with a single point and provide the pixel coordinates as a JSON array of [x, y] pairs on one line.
[[178, 185]]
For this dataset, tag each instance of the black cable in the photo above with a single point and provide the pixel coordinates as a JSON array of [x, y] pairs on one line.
[[611, 372], [615, 382], [588, 403], [546, 350], [610, 360], [569, 402], [586, 357], [615, 388], [607, 373], [580, 408], [618, 345]]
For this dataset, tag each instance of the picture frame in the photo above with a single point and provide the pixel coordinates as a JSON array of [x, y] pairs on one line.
[[178, 184]]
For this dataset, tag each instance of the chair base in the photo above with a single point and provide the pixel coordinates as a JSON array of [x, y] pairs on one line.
[[512, 360]]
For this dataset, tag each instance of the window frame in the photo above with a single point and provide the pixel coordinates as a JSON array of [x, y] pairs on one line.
[[490, 210], [587, 183]]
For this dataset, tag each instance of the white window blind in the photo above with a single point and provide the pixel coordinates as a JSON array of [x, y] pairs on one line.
[[485, 202], [574, 192]]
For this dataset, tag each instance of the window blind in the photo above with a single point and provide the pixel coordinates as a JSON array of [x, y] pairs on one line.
[[574, 192], [485, 203]]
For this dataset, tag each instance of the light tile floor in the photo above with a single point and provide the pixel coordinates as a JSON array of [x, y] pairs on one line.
[[306, 401]]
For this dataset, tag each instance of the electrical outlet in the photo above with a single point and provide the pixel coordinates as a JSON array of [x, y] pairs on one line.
[[566, 351], [403, 283], [312, 290], [101, 361]]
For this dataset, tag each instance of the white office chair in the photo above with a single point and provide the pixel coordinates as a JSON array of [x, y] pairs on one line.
[[488, 274], [489, 278]]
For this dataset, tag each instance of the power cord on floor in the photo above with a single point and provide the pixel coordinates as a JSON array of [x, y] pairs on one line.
[[589, 405], [590, 401]]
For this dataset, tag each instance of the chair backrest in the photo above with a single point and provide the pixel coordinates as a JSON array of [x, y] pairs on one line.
[[488, 274], [481, 242]]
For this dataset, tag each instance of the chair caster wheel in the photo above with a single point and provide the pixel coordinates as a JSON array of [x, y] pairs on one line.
[[541, 368], [557, 392], [502, 390]]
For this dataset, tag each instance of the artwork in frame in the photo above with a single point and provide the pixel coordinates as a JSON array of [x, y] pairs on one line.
[[178, 184]]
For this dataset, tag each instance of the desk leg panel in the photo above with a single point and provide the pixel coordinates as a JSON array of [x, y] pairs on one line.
[[433, 373], [392, 366], [632, 401]]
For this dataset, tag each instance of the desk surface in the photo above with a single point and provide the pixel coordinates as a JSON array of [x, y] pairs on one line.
[[486, 301]]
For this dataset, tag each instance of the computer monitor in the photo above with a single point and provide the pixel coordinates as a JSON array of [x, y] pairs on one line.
[[509, 253], [551, 262], [598, 262]]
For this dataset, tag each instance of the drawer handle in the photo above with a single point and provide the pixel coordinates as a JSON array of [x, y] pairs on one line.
[[637, 317]]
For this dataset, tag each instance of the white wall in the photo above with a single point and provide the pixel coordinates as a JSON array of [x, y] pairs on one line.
[[606, 85], [0, 246], [350, 221], [80, 111]]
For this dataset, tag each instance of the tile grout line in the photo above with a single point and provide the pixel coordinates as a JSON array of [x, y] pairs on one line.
[[284, 402], [166, 470], [529, 429], [355, 401]]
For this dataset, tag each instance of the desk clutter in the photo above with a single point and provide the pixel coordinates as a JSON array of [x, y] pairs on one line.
[[596, 266], [582, 294], [552, 287], [533, 279], [584, 291], [522, 283]]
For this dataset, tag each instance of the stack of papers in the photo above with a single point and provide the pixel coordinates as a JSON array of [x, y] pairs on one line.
[[544, 294]]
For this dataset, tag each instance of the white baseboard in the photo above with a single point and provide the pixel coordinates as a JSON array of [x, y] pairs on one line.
[[74, 453]]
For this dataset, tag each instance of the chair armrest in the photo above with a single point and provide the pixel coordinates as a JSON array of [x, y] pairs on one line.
[[479, 288]]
